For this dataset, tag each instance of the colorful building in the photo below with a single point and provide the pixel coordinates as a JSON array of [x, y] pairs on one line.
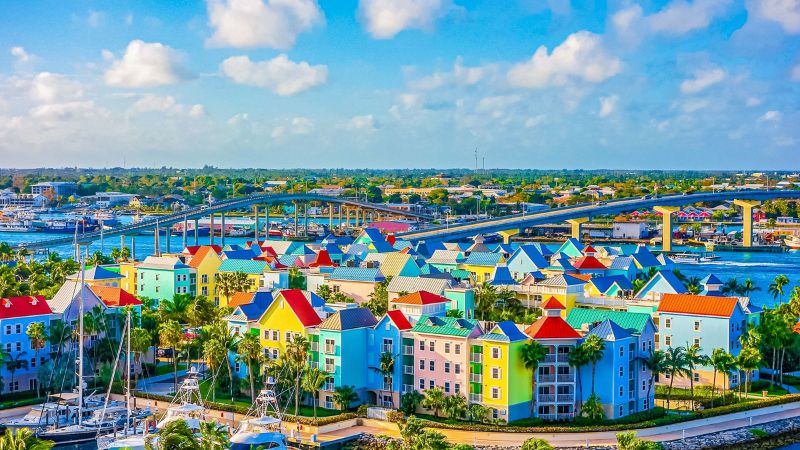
[[290, 314], [254, 269], [161, 278], [206, 262], [387, 337], [16, 315], [506, 384]]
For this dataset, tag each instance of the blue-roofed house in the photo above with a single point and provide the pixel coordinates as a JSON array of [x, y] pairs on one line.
[[339, 241], [546, 251], [446, 260], [426, 248], [645, 259], [711, 285], [664, 282], [386, 337], [355, 282], [502, 277], [572, 248], [609, 286], [374, 240], [524, 260], [482, 264], [560, 265], [241, 253], [625, 266], [335, 253]]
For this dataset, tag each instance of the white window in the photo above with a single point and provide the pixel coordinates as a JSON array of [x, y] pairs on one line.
[[8, 329], [496, 373], [430, 384], [19, 346], [447, 347], [696, 325], [697, 341], [275, 353], [447, 367], [432, 346], [421, 364], [458, 369], [329, 365], [330, 346], [495, 393], [422, 345], [432, 365], [667, 323], [388, 344], [668, 340], [237, 367], [496, 353], [621, 410], [18, 329], [458, 349], [266, 335], [457, 389]]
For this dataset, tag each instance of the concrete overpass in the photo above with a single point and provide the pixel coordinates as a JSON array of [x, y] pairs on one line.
[[362, 212], [508, 226]]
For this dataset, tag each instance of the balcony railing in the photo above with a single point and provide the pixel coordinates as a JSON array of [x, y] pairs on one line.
[[563, 357], [566, 398], [330, 349], [566, 377], [330, 369], [476, 378], [550, 357], [387, 386], [546, 398], [557, 416], [408, 388], [315, 346], [408, 349], [476, 398], [476, 358], [386, 348], [408, 370], [328, 387], [549, 378]]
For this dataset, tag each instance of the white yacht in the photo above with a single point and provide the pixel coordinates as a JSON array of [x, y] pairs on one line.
[[187, 404], [262, 427]]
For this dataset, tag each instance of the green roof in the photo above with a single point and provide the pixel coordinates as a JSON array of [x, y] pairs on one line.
[[633, 322], [249, 266], [460, 274], [445, 326]]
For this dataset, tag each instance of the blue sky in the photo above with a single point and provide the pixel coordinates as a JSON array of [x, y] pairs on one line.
[[401, 83]]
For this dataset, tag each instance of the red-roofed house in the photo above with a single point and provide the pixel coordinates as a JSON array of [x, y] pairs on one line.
[[323, 259], [16, 315], [589, 265], [555, 379], [420, 303], [116, 297], [290, 314]]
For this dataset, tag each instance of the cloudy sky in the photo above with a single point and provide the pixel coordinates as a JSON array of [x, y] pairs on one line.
[[401, 83]]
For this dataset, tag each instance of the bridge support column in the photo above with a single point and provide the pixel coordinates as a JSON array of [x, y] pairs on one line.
[[196, 231], [340, 226], [666, 227], [222, 229], [506, 235], [157, 241], [211, 231], [185, 232], [305, 219], [168, 231], [747, 220], [296, 231], [576, 224], [330, 217], [121, 242], [255, 227], [266, 219], [133, 248]]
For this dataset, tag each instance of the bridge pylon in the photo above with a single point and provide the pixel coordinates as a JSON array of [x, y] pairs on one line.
[[576, 225], [666, 228], [747, 220], [506, 235]]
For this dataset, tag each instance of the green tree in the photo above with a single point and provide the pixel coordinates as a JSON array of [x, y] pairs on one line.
[[721, 361], [215, 354], [37, 337], [694, 358], [532, 354], [656, 364], [297, 280], [229, 283], [141, 341], [344, 396], [776, 287], [170, 335], [177, 308], [23, 439], [324, 292], [485, 298], [676, 364], [434, 400], [378, 301], [248, 350], [175, 435], [14, 363], [749, 359], [214, 436], [410, 401], [577, 358], [386, 370], [593, 348], [536, 444], [455, 406], [313, 380], [296, 356]]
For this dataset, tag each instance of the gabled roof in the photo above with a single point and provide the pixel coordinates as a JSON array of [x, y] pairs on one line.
[[552, 303], [200, 255], [562, 264], [415, 284], [97, 273], [621, 263], [399, 319], [323, 259], [543, 249], [588, 249], [711, 279], [248, 266], [645, 258], [551, 327], [588, 263], [241, 254], [14, 307], [698, 305], [446, 326], [349, 319], [427, 269], [505, 331], [115, 297], [609, 331], [665, 260], [357, 274], [394, 263], [255, 309], [240, 298], [502, 277], [162, 263], [302, 308], [483, 259], [532, 254], [672, 282], [571, 247], [561, 280], [504, 248], [631, 321], [446, 257], [421, 298], [603, 284]]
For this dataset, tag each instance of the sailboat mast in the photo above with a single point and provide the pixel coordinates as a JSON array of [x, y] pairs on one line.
[[128, 375], [80, 343]]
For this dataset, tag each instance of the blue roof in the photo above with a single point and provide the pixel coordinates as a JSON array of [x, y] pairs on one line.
[[255, 309], [428, 269], [644, 258], [373, 234], [357, 249], [543, 249], [668, 277], [533, 254], [604, 283], [510, 333], [483, 259], [621, 263], [400, 244], [572, 247], [239, 254], [356, 274], [561, 264], [502, 277], [711, 279], [337, 240], [504, 248], [333, 249], [302, 250], [426, 248], [609, 331]]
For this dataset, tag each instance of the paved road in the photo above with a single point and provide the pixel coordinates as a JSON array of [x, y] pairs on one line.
[[663, 433]]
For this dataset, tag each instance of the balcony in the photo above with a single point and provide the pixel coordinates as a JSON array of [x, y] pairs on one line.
[[549, 358], [546, 398], [408, 349], [408, 370], [330, 349], [563, 357], [566, 378], [562, 416], [566, 398], [548, 378], [476, 378], [408, 388], [315, 346], [387, 386], [328, 387], [476, 398], [476, 358], [330, 368], [386, 348]]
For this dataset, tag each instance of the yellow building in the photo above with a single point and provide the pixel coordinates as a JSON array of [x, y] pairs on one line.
[[207, 262], [565, 288], [290, 314], [128, 271], [481, 265], [254, 269], [506, 384]]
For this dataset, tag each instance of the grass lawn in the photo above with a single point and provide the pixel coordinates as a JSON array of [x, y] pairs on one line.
[[163, 369], [224, 397]]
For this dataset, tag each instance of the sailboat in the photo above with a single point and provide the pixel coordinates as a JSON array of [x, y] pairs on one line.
[[262, 426]]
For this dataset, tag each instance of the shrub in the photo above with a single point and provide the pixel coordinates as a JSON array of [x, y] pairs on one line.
[[758, 433], [629, 441], [536, 444], [462, 447], [395, 416]]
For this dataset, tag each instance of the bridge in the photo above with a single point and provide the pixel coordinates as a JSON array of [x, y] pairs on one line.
[[576, 215], [347, 205]]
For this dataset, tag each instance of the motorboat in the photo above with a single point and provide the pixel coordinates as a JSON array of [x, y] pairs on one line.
[[686, 257], [262, 427], [792, 241], [187, 404]]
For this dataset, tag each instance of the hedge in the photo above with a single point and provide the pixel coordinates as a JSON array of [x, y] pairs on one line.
[[620, 425]]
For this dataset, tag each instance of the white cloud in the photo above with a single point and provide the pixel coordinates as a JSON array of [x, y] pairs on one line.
[[24, 59], [383, 19], [770, 116], [197, 110], [753, 101], [63, 111], [279, 74], [362, 123], [784, 12], [626, 19], [107, 55], [147, 65], [796, 73], [693, 105], [48, 87], [497, 106], [256, 23], [297, 126], [239, 118], [165, 104], [95, 18], [681, 16], [461, 75], [702, 79], [608, 105], [534, 121], [581, 57]]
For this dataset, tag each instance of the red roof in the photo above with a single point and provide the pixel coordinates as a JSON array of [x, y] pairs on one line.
[[301, 307], [323, 259], [193, 249], [553, 327], [114, 296], [399, 319], [698, 305], [13, 307], [421, 298], [391, 239], [552, 303], [589, 249], [588, 262], [240, 298]]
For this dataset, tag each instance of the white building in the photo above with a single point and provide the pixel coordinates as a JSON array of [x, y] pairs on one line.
[[629, 230], [112, 199], [55, 188]]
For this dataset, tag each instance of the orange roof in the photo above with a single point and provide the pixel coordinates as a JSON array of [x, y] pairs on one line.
[[796, 328], [581, 276], [553, 327], [114, 296], [552, 303], [240, 298], [697, 305], [200, 255], [421, 298]]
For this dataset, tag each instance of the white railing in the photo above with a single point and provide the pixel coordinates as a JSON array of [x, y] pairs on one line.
[[408, 388], [408, 349], [386, 348], [476, 358], [550, 357], [408, 370], [566, 377], [546, 378], [476, 398], [546, 398], [476, 378], [557, 416], [566, 398]]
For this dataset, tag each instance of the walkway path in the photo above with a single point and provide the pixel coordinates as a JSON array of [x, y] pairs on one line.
[[662, 433]]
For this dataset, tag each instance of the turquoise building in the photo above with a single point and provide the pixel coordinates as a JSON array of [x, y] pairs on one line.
[[161, 278]]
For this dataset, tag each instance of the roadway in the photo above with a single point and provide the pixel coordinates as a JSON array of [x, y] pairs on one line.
[[612, 207]]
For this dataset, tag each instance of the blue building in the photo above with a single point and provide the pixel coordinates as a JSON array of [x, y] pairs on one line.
[[386, 337], [21, 368]]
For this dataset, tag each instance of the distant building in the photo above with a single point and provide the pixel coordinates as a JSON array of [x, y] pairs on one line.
[[11, 198], [55, 188], [112, 199], [629, 230]]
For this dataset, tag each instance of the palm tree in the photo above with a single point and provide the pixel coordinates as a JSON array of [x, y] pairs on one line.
[[297, 357], [593, 348], [532, 354], [220, 331], [23, 439], [115, 254], [14, 363], [248, 350], [721, 361], [214, 436], [125, 253], [455, 406], [177, 308], [313, 380], [694, 358], [485, 298], [731, 286], [386, 370], [141, 341], [434, 399], [656, 364], [37, 336], [577, 359], [176, 435], [776, 287], [170, 335], [748, 286], [230, 283], [214, 353], [344, 396], [693, 285], [749, 359], [676, 364]]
